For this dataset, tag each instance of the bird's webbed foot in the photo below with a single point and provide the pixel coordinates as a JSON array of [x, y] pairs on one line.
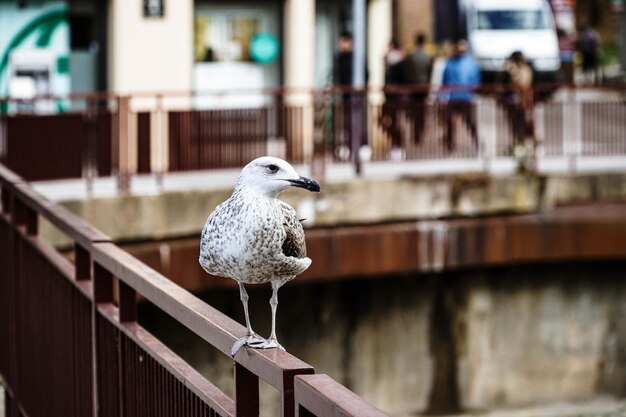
[[251, 340], [270, 343]]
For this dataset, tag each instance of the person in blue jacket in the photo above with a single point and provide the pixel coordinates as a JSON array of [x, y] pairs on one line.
[[461, 78]]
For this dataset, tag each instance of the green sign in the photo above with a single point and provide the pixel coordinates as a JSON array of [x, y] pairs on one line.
[[264, 47]]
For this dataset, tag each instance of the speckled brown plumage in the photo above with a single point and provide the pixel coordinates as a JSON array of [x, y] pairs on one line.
[[255, 238]]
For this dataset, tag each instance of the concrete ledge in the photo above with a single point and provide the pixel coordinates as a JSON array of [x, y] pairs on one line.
[[173, 214]]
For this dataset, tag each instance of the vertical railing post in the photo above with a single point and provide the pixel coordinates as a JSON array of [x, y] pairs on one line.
[[318, 160], [572, 126], [82, 263], [30, 220], [246, 392], [158, 141], [127, 302], [10, 405], [287, 393], [538, 115], [127, 144], [90, 144], [102, 285], [4, 199], [486, 115], [17, 212]]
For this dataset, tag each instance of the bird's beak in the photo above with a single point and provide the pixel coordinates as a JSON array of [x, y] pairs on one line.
[[306, 183]]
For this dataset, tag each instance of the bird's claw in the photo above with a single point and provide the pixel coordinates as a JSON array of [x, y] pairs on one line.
[[270, 343], [248, 340]]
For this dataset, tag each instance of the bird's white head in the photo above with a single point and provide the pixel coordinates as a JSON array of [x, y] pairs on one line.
[[270, 176]]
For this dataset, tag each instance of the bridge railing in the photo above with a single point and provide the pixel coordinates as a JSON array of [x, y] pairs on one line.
[[105, 134], [71, 343]]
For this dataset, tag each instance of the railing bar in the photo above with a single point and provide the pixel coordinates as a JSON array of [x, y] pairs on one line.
[[323, 396]]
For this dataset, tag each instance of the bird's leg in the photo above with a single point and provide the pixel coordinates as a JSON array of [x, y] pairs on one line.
[[250, 337], [272, 342]]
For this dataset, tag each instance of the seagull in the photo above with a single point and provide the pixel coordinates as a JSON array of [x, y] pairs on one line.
[[255, 238]]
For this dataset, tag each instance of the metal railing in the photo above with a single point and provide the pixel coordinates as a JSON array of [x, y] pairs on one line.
[[100, 135], [71, 344]]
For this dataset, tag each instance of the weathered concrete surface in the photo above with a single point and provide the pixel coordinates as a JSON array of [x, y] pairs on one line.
[[343, 252], [183, 213], [529, 336], [599, 407], [451, 342]]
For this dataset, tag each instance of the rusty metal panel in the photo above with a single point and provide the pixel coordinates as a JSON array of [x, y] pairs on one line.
[[53, 335], [66, 144], [139, 376], [143, 143], [214, 139], [7, 301], [58, 140], [107, 369]]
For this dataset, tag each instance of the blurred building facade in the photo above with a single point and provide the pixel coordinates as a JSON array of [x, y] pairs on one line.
[[166, 45], [64, 46]]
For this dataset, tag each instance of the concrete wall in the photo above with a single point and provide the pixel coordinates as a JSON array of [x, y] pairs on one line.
[[183, 213], [463, 341], [539, 334], [137, 46]]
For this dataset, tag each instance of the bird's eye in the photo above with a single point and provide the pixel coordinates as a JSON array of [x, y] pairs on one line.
[[273, 168]]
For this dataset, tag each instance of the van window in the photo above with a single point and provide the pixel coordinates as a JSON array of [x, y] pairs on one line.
[[512, 19]]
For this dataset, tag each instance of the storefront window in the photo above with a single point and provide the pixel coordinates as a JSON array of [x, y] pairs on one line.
[[224, 37]]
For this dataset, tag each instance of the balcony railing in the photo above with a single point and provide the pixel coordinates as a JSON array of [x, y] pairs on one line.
[[71, 343], [100, 135]]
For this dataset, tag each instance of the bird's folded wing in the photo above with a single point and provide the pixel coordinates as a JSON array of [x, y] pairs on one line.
[[294, 244]]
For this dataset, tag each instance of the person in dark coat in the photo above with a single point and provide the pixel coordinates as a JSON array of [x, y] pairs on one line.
[[421, 65], [397, 73], [342, 77]]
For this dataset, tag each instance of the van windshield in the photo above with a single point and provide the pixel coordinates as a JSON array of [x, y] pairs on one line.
[[512, 19]]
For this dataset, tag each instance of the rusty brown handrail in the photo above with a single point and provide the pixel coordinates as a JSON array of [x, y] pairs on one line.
[[109, 329], [318, 395]]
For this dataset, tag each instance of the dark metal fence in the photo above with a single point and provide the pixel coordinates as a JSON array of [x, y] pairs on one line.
[[70, 343], [180, 132]]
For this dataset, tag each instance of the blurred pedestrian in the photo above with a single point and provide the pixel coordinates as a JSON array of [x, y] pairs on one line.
[[397, 73], [592, 55], [421, 65], [342, 77], [461, 77], [519, 98], [444, 52]]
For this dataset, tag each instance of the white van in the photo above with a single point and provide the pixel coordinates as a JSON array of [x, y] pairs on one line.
[[497, 28]]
